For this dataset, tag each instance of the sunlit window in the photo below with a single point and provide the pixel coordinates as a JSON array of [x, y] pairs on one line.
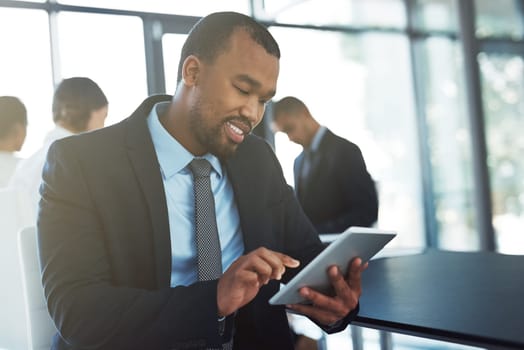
[[25, 69], [449, 142], [172, 45], [376, 13], [189, 8], [435, 15], [360, 88], [503, 91], [110, 50], [500, 18]]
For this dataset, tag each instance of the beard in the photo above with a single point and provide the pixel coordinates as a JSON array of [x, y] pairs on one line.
[[211, 136]]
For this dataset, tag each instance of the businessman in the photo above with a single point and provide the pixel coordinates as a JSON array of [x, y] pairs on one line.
[[122, 207], [331, 180]]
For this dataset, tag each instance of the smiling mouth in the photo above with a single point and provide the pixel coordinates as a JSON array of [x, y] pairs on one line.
[[237, 130]]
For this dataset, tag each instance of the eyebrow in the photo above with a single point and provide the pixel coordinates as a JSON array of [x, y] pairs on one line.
[[254, 83]]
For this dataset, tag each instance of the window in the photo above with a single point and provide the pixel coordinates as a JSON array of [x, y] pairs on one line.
[[502, 91], [449, 143], [500, 18], [350, 86], [189, 8], [374, 13], [172, 45], [435, 15], [111, 52], [25, 69]]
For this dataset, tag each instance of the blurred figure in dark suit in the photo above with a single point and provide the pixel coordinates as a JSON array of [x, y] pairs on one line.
[[331, 180]]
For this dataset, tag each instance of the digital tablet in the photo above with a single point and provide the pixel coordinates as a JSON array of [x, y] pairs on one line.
[[362, 242]]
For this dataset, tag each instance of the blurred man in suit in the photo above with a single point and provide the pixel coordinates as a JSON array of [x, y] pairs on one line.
[[331, 180]]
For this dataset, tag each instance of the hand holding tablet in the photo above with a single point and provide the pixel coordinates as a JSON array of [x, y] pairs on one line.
[[354, 242]]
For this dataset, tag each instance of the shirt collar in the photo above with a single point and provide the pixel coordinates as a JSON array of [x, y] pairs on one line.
[[317, 138], [172, 156], [57, 133]]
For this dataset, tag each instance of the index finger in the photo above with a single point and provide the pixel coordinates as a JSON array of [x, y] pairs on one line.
[[277, 261], [288, 261]]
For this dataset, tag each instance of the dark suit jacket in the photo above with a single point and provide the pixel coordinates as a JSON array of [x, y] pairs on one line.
[[105, 252], [339, 192]]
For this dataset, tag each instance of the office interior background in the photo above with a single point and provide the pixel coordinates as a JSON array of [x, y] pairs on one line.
[[432, 91]]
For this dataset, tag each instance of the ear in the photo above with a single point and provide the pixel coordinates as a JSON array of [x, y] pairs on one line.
[[191, 70]]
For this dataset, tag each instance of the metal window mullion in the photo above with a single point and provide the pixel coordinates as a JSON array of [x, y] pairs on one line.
[[56, 70], [154, 57], [482, 194], [428, 194]]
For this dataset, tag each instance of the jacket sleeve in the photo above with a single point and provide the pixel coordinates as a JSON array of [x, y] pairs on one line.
[[88, 307]]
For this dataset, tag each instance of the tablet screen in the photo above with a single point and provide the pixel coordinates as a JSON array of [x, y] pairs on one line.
[[363, 242]]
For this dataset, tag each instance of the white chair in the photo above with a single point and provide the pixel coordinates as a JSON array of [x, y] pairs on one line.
[[41, 328], [13, 334]]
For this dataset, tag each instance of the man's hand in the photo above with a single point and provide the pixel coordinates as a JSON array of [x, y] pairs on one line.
[[241, 281], [328, 310]]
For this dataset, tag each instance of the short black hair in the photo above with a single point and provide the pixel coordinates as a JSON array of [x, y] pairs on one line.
[[210, 36], [12, 112], [74, 100], [288, 105]]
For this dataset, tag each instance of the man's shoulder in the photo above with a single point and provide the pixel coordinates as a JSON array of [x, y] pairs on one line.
[[254, 145], [254, 154], [94, 139], [335, 140]]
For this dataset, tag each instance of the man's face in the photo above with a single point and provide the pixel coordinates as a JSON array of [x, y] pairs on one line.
[[230, 95], [293, 126]]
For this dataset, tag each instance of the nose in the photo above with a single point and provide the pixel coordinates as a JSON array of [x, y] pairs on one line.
[[252, 110]]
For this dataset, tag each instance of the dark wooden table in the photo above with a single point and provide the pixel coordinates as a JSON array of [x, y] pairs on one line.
[[473, 298]]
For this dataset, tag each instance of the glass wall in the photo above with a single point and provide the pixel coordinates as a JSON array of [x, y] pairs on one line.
[[188, 8], [343, 13], [110, 52], [434, 15], [449, 142], [172, 46], [501, 66], [503, 96], [502, 18], [25, 69]]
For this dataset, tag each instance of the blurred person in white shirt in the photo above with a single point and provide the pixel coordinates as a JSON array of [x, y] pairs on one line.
[[13, 128], [79, 105]]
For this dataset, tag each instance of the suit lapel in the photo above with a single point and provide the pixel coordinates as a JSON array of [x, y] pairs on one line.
[[145, 164], [248, 197], [318, 157], [296, 171], [316, 160]]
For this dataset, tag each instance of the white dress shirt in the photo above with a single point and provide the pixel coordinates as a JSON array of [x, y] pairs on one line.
[[8, 163]]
